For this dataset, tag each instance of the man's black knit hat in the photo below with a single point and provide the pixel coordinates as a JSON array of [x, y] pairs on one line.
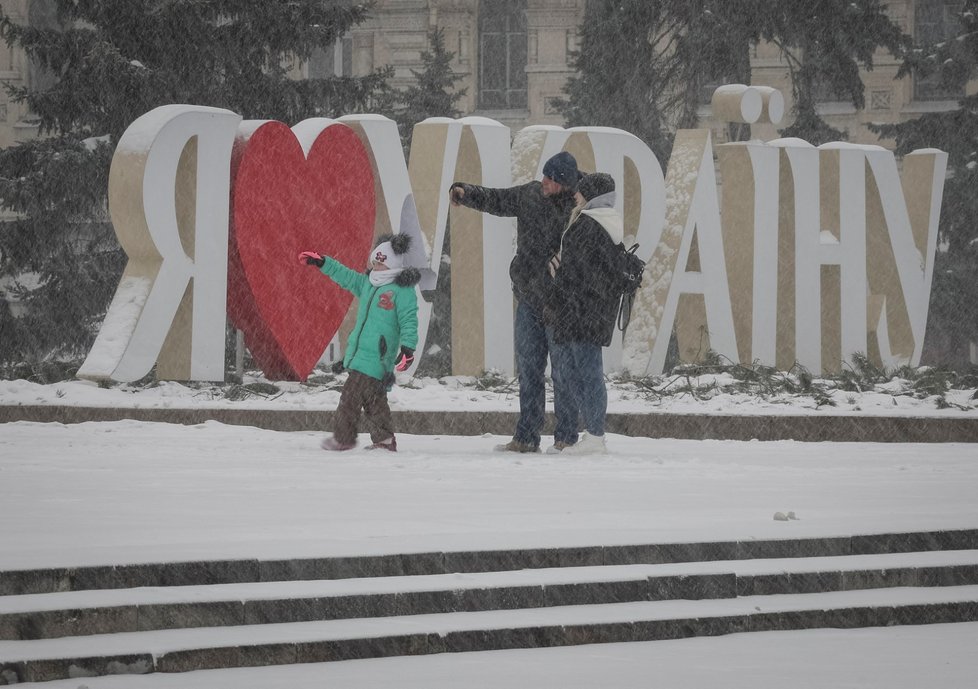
[[596, 184], [562, 168]]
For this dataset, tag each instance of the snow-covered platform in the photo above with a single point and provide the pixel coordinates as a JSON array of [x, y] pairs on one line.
[[803, 427], [683, 407]]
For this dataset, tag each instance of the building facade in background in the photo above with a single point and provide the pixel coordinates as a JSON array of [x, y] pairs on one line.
[[16, 122], [514, 57]]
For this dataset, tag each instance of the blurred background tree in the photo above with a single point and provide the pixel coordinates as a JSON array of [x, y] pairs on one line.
[[648, 66], [620, 72], [434, 93], [825, 43]]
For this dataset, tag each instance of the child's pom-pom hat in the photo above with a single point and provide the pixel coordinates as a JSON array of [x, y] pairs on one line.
[[392, 251]]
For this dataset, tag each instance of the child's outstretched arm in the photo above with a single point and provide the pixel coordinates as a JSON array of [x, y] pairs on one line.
[[347, 278]]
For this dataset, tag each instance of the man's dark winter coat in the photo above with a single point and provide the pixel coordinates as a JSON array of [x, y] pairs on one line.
[[540, 220]]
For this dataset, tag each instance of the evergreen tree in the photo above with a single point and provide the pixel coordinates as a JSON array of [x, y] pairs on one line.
[[110, 62], [953, 320], [59, 258], [620, 71], [711, 43], [643, 64], [826, 43], [434, 93]]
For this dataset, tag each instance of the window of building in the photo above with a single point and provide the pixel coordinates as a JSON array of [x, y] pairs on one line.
[[935, 21], [41, 14], [335, 61], [502, 54], [825, 92]]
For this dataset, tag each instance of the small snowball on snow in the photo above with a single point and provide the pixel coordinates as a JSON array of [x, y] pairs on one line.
[[780, 517]]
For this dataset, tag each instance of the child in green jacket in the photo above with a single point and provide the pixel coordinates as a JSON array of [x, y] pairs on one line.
[[382, 341]]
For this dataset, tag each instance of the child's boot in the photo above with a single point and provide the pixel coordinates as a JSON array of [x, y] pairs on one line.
[[334, 445], [389, 444]]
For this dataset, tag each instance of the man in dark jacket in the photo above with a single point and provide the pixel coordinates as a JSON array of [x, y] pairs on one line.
[[585, 304], [542, 210]]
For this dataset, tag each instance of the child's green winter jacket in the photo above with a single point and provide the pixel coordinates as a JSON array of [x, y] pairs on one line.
[[387, 318]]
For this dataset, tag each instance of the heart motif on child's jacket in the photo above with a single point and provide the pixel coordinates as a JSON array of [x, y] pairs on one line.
[[309, 188]]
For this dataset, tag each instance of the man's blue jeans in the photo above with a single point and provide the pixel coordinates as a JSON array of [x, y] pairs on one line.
[[534, 341]]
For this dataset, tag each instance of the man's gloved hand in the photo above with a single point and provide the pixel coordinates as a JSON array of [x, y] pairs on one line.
[[404, 360], [311, 258], [456, 192], [338, 367]]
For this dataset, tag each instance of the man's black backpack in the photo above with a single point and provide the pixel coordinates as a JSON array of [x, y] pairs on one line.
[[628, 278]]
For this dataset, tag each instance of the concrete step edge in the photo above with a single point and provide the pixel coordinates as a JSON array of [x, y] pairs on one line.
[[184, 650], [47, 580], [123, 610]]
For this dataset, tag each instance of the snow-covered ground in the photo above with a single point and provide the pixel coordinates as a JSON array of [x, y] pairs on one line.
[[127, 491], [95, 493]]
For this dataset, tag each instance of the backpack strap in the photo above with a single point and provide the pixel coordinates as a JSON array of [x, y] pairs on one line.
[[625, 311]]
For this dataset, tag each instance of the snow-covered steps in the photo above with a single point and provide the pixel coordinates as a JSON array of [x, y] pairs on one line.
[[181, 650], [449, 602], [80, 613], [14, 582]]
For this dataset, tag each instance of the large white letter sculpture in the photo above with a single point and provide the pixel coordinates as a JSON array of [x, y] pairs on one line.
[[819, 254], [751, 246], [901, 243], [482, 328], [685, 280], [168, 199], [828, 255]]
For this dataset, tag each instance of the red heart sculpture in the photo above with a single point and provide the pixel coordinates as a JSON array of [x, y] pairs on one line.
[[284, 202]]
